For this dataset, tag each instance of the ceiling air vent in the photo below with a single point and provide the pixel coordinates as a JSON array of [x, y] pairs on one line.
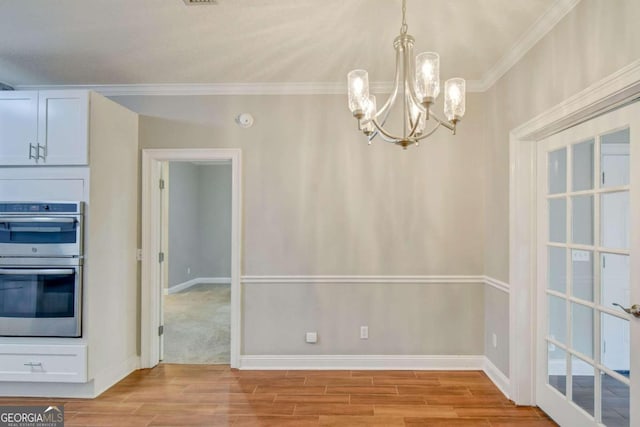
[[200, 2]]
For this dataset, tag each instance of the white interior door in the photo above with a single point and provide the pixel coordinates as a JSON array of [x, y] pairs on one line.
[[588, 349]]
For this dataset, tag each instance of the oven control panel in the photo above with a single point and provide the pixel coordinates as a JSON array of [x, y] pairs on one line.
[[41, 208]]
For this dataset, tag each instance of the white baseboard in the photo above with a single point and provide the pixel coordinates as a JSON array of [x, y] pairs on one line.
[[364, 362], [497, 377], [198, 281]]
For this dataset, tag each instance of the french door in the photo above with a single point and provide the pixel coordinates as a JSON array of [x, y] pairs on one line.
[[588, 257]]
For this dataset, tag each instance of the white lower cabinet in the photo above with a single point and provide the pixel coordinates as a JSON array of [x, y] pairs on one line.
[[43, 363]]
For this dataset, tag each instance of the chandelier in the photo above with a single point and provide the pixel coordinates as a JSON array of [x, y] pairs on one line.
[[418, 84]]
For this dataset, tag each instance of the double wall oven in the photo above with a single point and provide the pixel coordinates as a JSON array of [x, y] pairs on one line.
[[41, 254]]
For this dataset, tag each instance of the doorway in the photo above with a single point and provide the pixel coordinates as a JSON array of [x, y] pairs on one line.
[[588, 200], [156, 271], [196, 269]]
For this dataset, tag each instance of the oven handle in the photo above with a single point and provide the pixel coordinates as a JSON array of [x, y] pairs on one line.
[[65, 220], [43, 272]]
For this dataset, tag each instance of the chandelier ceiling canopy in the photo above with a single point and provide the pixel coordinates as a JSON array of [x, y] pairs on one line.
[[416, 86]]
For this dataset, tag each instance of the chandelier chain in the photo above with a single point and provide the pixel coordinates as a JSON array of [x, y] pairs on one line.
[[404, 28]]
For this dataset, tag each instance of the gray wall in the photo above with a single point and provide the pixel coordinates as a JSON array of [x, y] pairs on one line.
[[317, 200], [199, 221], [496, 321], [411, 319], [184, 240], [215, 219]]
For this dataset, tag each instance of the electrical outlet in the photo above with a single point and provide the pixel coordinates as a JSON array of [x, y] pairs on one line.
[[364, 332], [311, 337], [188, 271], [495, 340]]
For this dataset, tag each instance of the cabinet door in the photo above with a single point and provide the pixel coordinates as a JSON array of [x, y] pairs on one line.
[[18, 127], [63, 127]]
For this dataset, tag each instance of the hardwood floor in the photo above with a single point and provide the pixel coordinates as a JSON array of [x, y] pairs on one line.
[[208, 395]]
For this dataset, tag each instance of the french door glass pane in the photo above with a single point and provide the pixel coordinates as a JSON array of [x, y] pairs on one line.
[[614, 158], [615, 402], [558, 319], [615, 220], [557, 368], [558, 171], [582, 220], [558, 220], [582, 273], [614, 279], [582, 329], [557, 269], [615, 345], [583, 384], [583, 166]]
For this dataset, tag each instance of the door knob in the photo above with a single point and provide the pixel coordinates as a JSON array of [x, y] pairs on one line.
[[635, 309]]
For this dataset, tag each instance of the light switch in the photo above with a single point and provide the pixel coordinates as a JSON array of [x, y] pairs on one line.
[[580, 256]]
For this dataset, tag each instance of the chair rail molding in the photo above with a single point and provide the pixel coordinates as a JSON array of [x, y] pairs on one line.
[[355, 279], [615, 90]]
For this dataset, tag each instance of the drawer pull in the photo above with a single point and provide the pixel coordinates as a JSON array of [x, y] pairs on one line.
[[33, 365]]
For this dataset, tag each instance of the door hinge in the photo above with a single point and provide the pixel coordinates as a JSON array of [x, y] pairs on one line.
[[602, 178], [161, 184], [604, 261], [161, 257], [160, 330]]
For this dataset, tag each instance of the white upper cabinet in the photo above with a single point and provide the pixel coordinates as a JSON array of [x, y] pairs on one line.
[[63, 125], [44, 128], [18, 127]]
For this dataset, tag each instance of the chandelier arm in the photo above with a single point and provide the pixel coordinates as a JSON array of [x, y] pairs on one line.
[[409, 76], [385, 109], [385, 133], [428, 134], [414, 127], [444, 123], [377, 132], [408, 107], [384, 138]]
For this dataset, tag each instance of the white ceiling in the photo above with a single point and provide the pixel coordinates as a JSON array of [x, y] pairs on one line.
[[115, 42]]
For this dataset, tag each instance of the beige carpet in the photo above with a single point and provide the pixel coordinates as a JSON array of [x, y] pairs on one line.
[[196, 325]]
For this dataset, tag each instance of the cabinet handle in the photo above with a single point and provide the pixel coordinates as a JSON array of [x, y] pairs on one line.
[[44, 151], [31, 147], [32, 364]]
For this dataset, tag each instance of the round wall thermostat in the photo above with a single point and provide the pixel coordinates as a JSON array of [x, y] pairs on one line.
[[244, 120]]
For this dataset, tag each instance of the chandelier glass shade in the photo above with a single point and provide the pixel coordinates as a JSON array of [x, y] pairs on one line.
[[416, 87]]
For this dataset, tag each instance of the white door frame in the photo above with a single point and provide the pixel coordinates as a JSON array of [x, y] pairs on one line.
[[605, 95], [150, 281]]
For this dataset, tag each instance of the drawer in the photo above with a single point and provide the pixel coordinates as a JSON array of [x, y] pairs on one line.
[[43, 363]]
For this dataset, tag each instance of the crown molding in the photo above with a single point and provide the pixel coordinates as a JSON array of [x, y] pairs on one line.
[[529, 39], [186, 89]]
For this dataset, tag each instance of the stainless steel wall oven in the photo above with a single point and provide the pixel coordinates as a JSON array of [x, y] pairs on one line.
[[41, 255]]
